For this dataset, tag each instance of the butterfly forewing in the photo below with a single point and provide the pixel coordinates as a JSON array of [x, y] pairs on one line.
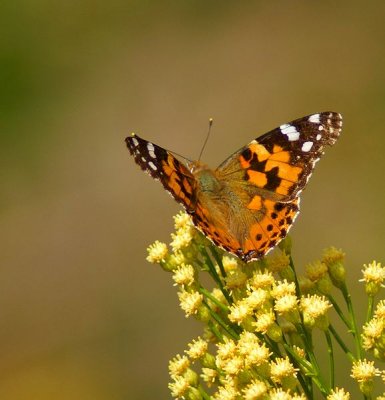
[[163, 166], [279, 163]]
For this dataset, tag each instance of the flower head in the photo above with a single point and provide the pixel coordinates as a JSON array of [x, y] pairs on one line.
[[255, 390], [190, 301], [184, 275], [157, 252], [178, 365], [197, 348], [283, 372], [316, 270], [338, 394], [182, 238], [314, 309], [374, 276]]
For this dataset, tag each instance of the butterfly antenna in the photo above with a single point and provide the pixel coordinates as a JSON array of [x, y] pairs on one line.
[[207, 138]]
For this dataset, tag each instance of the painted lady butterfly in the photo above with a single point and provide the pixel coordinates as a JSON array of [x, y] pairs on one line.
[[248, 204]]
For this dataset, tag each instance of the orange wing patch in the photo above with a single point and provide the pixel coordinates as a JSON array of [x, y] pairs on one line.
[[273, 171], [271, 229], [216, 233]]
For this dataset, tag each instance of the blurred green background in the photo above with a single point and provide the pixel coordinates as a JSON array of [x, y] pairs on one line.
[[82, 314]]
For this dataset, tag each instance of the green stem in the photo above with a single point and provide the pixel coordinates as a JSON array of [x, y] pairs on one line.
[[341, 343], [305, 384], [218, 259], [331, 358], [369, 313], [356, 336], [206, 293], [308, 342], [339, 312], [203, 393], [309, 370], [222, 323], [292, 266], [215, 331], [214, 274]]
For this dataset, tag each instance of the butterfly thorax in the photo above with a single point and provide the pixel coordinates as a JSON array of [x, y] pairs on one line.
[[206, 179]]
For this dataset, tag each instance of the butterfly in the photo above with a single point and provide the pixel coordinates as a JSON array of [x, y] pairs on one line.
[[247, 205]]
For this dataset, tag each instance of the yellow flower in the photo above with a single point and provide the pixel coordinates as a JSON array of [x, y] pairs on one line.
[[181, 220], [197, 348], [239, 312], [182, 238], [331, 255], [316, 270], [372, 332], [226, 393], [246, 342], [283, 372], [314, 309], [380, 309], [236, 279], [287, 306], [279, 394], [338, 394], [333, 258], [258, 355], [190, 301], [233, 366], [176, 259], [283, 288], [264, 321], [178, 366], [157, 252], [209, 375], [184, 275], [257, 299], [226, 349], [229, 263], [374, 276], [261, 280], [179, 387], [364, 371], [278, 262], [255, 390]]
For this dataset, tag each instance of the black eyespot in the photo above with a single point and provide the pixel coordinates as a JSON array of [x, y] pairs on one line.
[[279, 207]]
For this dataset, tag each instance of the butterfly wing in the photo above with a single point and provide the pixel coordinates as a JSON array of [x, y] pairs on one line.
[[163, 166], [279, 163], [269, 174]]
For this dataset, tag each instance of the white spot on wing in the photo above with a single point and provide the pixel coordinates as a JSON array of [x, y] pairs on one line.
[[307, 146], [152, 165], [151, 148], [290, 131], [318, 137], [315, 118], [134, 140]]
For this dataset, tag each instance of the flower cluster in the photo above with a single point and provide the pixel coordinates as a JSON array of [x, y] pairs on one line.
[[259, 320]]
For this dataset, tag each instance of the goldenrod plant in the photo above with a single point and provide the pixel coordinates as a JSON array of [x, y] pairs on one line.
[[259, 321]]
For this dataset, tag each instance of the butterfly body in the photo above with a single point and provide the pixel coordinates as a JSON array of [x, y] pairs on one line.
[[247, 204]]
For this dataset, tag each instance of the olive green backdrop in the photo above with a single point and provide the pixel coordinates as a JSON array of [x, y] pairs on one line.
[[82, 315]]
